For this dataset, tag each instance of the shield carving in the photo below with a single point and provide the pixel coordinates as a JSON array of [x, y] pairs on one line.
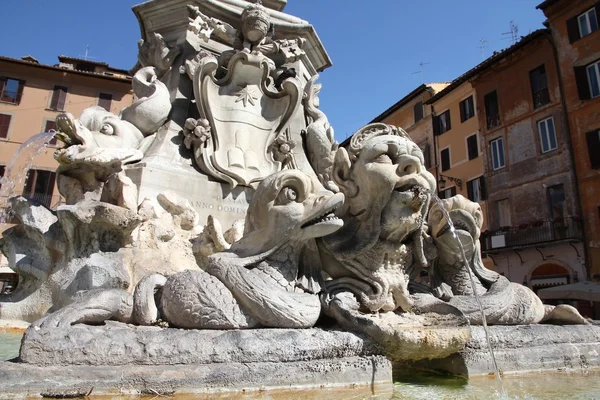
[[246, 113]]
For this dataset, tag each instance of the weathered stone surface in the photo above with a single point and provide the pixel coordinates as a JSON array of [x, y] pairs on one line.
[[525, 348], [122, 344], [18, 380]]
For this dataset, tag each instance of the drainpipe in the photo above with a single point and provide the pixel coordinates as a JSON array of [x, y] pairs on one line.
[[435, 146], [570, 146]]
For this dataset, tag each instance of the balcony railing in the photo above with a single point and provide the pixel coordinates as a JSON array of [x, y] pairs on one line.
[[52, 202], [493, 121], [533, 234], [541, 98]]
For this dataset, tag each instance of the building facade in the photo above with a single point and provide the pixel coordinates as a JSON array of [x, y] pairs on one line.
[[458, 145], [535, 231], [575, 28], [31, 96]]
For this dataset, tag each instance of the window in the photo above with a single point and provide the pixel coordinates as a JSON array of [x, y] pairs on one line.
[[418, 110], [593, 77], [447, 193], [583, 24], [105, 101], [476, 189], [503, 213], [539, 86], [441, 123], [2, 171], [445, 156], [426, 154], [445, 121], [40, 186], [588, 22], [497, 150], [467, 110], [4, 125], [472, 147], [547, 135], [556, 201], [593, 143], [492, 112], [11, 90], [59, 96], [51, 125]]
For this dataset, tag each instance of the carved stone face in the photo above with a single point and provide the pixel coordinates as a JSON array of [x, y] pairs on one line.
[[387, 191], [289, 205], [390, 171]]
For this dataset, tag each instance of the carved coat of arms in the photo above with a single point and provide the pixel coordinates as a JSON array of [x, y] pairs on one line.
[[246, 114]]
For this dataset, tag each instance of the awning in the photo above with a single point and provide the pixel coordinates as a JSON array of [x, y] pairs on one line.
[[587, 290], [6, 270]]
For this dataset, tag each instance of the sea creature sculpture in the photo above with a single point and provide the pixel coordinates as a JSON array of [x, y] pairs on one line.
[[257, 282], [99, 143], [504, 302], [320, 143]]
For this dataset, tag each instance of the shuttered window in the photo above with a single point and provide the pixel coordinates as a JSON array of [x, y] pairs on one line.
[[4, 125], [418, 111], [584, 24], [593, 143], [472, 147], [476, 190], [445, 156], [11, 90], [588, 80], [492, 111], [467, 109], [59, 98], [539, 86]]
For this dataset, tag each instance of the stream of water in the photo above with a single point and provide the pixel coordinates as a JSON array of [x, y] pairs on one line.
[[467, 265], [16, 171]]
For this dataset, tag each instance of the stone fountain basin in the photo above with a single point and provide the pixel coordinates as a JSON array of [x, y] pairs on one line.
[[127, 359]]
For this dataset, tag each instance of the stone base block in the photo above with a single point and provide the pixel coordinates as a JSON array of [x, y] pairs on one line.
[[524, 348], [18, 380], [121, 358], [121, 344]]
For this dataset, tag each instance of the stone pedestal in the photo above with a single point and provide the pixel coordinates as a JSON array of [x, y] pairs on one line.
[[120, 358]]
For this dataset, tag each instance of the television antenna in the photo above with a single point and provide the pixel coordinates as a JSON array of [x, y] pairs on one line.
[[87, 50], [483, 43], [514, 33], [420, 71]]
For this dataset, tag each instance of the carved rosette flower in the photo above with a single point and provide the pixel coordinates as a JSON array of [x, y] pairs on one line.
[[196, 132], [281, 150]]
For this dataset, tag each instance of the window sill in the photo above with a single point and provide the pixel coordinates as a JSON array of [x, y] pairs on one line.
[[53, 110], [12, 103]]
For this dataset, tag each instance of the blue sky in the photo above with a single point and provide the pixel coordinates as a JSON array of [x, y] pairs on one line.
[[376, 45]]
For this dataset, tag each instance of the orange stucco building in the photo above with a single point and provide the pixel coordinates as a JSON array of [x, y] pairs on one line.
[[412, 114], [458, 145], [33, 94], [574, 25]]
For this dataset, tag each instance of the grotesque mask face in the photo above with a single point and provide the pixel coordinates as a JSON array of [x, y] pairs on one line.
[[395, 164], [388, 176], [387, 191]]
